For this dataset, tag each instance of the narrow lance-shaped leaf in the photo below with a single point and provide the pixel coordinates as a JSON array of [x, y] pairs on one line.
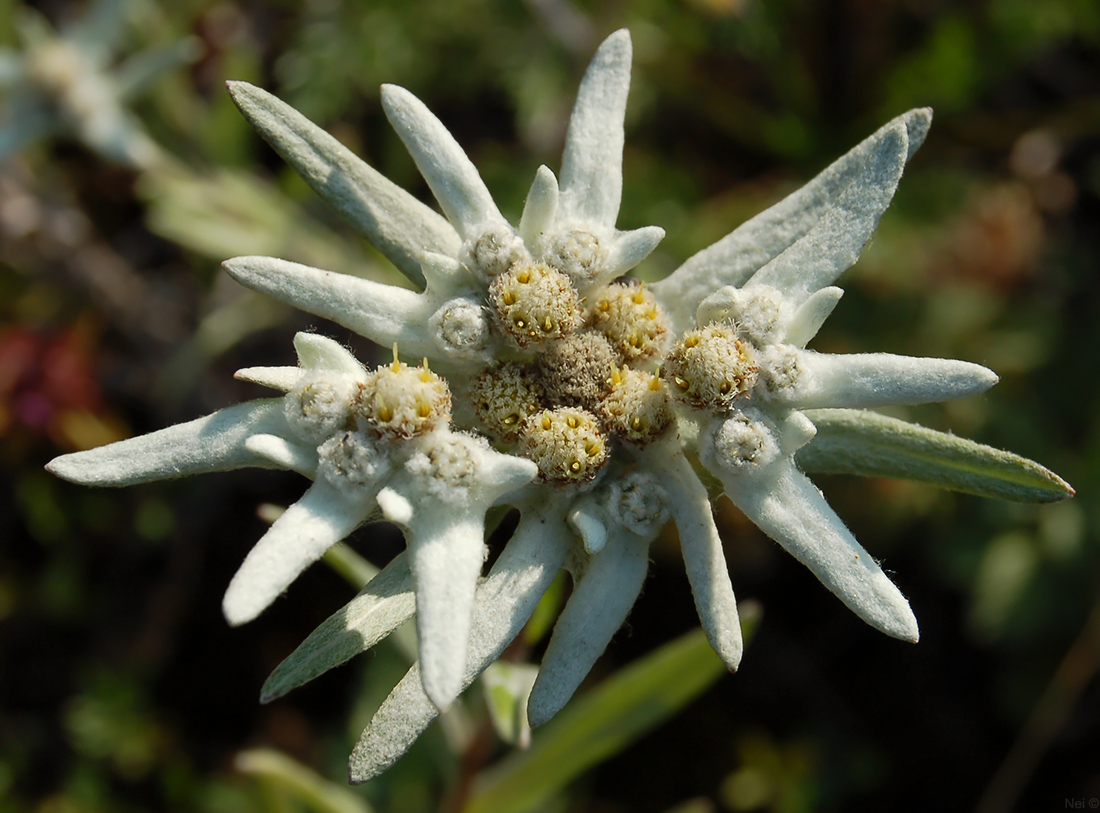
[[299, 782], [851, 441], [734, 258], [215, 442], [506, 687], [395, 222], [603, 722], [382, 606]]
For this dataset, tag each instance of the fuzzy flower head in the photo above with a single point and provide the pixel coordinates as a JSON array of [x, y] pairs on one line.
[[553, 384]]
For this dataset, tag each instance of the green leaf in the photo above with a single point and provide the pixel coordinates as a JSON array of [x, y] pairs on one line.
[[380, 608], [356, 570], [507, 687], [853, 441], [300, 782], [603, 722]]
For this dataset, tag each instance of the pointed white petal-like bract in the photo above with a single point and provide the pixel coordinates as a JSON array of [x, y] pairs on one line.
[[880, 379], [734, 258], [383, 313], [276, 378], [451, 175], [285, 454], [505, 600], [811, 315], [317, 352], [704, 560], [785, 505], [216, 442], [384, 604], [629, 248], [592, 164], [540, 208], [321, 518], [600, 602], [834, 244], [395, 222], [446, 558], [443, 513], [590, 525]]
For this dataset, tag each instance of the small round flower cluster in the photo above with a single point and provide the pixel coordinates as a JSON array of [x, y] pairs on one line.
[[347, 416]]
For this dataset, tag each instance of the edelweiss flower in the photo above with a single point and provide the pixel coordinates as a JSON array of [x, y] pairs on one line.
[[65, 83], [592, 390]]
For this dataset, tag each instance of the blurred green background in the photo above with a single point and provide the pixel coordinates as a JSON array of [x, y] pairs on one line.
[[122, 689]]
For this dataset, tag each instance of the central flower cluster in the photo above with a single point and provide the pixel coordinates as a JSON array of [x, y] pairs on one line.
[[587, 369]]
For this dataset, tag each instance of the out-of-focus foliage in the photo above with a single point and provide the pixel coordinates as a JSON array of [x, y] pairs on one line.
[[121, 689]]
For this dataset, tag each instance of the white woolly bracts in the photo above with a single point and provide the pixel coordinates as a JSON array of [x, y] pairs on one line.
[[576, 397], [366, 438]]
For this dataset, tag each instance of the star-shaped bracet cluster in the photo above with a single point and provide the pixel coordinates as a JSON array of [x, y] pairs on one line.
[[554, 384]]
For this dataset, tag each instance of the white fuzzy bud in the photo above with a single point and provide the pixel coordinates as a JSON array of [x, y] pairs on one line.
[[319, 405], [351, 462], [780, 368], [446, 465], [462, 328], [743, 443], [495, 251], [755, 312], [637, 501], [577, 253]]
